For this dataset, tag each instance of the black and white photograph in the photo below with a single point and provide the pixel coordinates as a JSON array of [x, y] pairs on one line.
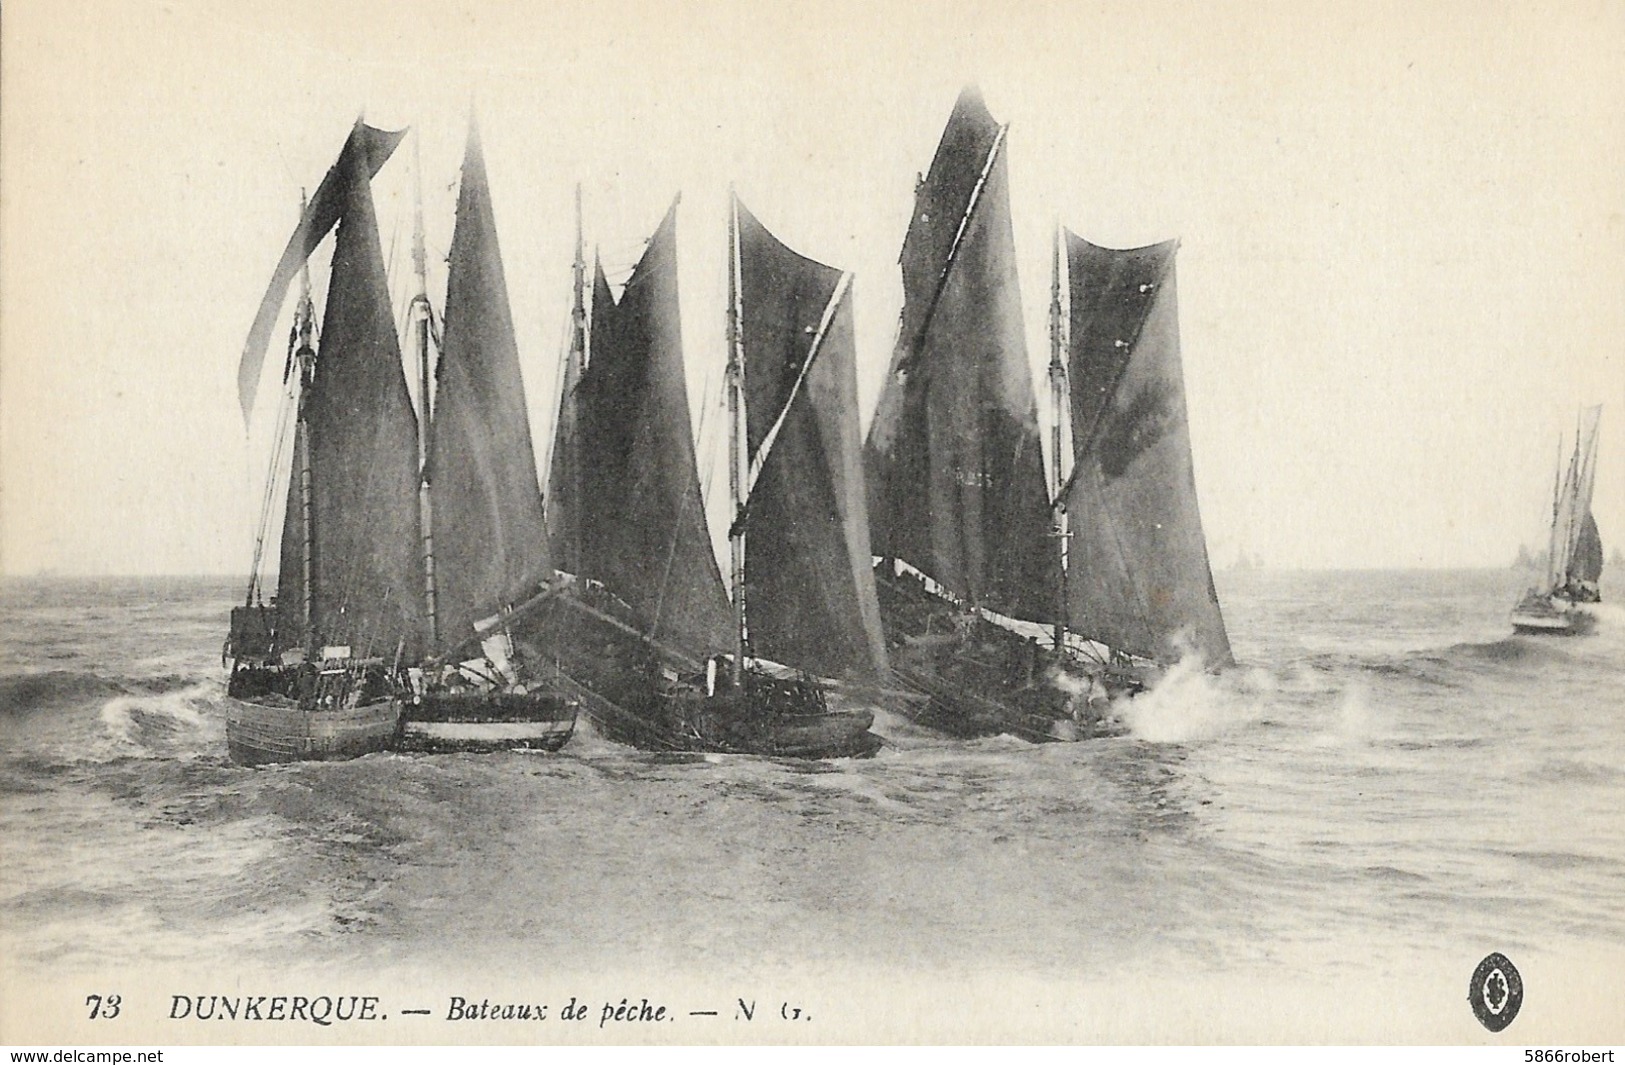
[[714, 523]]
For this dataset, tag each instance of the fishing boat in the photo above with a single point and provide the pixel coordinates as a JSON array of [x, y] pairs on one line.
[[314, 672], [485, 543], [362, 649], [661, 654], [1011, 608], [1558, 605]]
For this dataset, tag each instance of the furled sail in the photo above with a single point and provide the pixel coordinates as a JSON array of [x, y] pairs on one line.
[[1138, 577], [810, 586], [955, 466], [361, 441], [646, 537], [490, 540], [367, 145]]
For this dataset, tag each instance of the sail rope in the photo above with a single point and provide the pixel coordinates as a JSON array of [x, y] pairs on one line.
[[289, 404]]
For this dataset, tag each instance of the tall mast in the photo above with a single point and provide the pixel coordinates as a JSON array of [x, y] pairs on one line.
[[1058, 401], [577, 358], [420, 320], [738, 472], [305, 357]]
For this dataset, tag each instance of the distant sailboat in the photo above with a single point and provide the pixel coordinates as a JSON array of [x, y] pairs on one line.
[[1574, 567], [314, 673], [664, 656], [971, 543], [488, 548]]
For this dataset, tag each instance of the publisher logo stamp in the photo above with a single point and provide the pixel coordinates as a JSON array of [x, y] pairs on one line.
[[1496, 992]]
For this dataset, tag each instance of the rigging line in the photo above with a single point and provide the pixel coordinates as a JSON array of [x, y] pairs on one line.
[[713, 398], [566, 345], [290, 402], [917, 342], [765, 448], [683, 510], [390, 259], [718, 399], [1100, 420]]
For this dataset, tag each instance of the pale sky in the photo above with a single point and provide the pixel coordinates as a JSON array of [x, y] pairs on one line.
[[1403, 226]]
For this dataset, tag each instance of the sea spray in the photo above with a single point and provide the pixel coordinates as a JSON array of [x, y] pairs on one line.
[[1190, 703]]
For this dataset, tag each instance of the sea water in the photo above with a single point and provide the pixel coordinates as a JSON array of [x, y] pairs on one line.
[[1386, 787]]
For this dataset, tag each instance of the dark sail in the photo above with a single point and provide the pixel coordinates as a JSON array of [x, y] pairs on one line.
[[1587, 562], [955, 467], [645, 535], [810, 591], [362, 444], [1138, 577], [490, 541], [374, 147]]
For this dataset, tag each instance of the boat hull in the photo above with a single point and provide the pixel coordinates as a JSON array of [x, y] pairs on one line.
[[985, 680], [476, 721], [1550, 615], [635, 698], [266, 733], [747, 724]]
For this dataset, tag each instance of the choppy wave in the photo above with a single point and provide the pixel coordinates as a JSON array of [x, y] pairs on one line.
[[62, 718], [25, 693], [1387, 766]]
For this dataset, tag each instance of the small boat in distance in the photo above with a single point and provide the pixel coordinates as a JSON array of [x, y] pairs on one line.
[[314, 673], [1557, 606]]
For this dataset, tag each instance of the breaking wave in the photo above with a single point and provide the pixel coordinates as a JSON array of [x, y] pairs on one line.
[[1189, 703]]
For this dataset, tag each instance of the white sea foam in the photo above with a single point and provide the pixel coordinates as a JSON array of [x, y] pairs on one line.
[[167, 724], [1190, 703]]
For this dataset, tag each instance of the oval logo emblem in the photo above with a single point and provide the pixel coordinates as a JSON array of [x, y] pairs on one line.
[[1496, 992]]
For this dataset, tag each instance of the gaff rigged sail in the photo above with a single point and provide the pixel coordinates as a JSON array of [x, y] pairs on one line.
[[810, 583], [489, 535], [644, 530], [564, 468], [360, 439], [955, 466], [1138, 577], [367, 147]]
